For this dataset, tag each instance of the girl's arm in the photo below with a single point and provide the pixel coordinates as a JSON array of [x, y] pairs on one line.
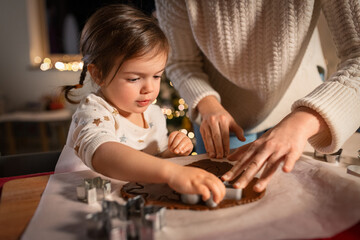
[[121, 162]]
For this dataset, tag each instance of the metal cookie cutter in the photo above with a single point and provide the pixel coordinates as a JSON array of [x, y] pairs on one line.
[[94, 189], [133, 220], [354, 169], [334, 157], [330, 158], [231, 193]]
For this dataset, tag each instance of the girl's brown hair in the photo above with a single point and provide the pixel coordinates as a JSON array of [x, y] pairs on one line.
[[116, 31]]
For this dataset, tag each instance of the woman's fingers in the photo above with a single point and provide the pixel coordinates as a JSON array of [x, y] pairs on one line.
[[253, 167], [207, 138], [225, 137], [217, 140], [264, 152], [212, 137], [269, 170], [215, 129], [238, 153], [235, 171], [290, 161], [239, 132]]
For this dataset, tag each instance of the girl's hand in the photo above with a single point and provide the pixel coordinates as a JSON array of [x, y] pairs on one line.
[[192, 180], [283, 143], [179, 143], [215, 127]]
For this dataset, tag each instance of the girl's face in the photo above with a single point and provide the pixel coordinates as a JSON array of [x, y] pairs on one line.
[[136, 85]]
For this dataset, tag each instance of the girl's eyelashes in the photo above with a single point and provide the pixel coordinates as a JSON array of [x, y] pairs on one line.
[[133, 79], [136, 79], [157, 76]]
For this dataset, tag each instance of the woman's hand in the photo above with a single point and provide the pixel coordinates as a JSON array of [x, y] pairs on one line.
[[215, 127], [192, 180], [179, 143], [283, 143]]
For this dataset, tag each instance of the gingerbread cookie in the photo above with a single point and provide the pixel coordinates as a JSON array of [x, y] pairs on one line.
[[163, 195]]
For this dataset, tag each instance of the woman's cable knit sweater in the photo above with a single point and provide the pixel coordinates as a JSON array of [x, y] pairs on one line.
[[255, 57]]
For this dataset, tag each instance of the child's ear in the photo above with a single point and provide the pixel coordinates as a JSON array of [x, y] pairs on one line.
[[95, 74]]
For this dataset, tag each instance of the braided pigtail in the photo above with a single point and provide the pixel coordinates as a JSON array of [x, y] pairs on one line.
[[66, 89]]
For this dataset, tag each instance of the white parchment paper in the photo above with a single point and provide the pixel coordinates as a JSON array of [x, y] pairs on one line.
[[315, 200]]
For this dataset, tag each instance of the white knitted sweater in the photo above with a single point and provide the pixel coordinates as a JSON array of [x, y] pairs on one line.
[[254, 57]]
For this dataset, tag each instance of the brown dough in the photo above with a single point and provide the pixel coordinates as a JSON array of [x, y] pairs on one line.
[[163, 195]]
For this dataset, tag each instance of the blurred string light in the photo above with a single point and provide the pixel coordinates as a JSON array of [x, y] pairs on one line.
[[46, 64], [180, 111], [171, 113]]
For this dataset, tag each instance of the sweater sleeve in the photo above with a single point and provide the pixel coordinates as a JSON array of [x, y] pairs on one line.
[[337, 100], [185, 63]]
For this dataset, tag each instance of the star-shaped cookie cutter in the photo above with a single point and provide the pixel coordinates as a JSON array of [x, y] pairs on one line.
[[93, 190], [132, 220], [231, 193]]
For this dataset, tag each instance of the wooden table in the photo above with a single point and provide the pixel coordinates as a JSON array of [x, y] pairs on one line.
[[19, 200]]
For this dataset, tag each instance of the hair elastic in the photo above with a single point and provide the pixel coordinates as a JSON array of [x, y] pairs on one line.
[[78, 86]]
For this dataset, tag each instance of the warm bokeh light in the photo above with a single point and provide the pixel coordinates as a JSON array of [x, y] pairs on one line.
[[75, 66], [60, 66], [47, 60], [45, 66], [191, 135], [184, 131], [168, 112], [37, 60]]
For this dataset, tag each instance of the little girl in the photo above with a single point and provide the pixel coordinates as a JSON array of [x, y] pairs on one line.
[[117, 131]]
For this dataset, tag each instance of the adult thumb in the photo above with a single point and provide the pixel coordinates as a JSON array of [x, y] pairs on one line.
[[239, 132]]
